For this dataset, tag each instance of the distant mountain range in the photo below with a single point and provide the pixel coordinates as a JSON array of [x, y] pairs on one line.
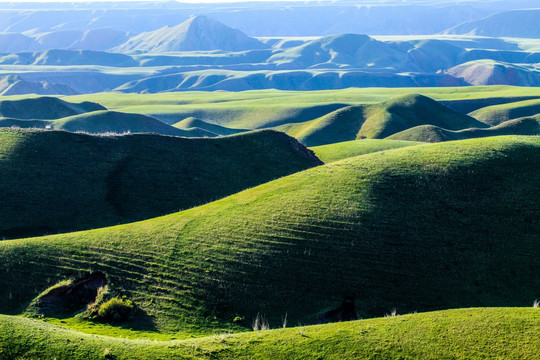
[[515, 23], [58, 56], [390, 17]]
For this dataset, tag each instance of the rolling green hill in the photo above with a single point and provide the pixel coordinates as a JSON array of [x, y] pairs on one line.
[[497, 114], [191, 123], [417, 228], [378, 121], [408, 111], [267, 108], [427, 133], [500, 333], [99, 122], [55, 181], [109, 122], [347, 149], [430, 133], [46, 108]]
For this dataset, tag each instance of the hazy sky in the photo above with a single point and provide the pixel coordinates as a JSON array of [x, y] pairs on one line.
[[185, 1]]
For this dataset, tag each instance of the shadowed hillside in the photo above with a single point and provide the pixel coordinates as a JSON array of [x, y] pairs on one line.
[[14, 85], [55, 181], [194, 123], [417, 228], [44, 108]]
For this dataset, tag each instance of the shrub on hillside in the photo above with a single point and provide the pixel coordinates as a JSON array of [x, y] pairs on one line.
[[116, 310], [110, 308]]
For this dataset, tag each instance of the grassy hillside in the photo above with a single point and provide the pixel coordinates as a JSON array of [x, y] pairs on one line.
[[44, 108], [46, 189], [418, 228], [430, 133], [194, 123], [337, 126], [347, 149], [378, 121], [111, 122], [500, 333], [266, 108], [497, 114], [99, 122], [412, 110]]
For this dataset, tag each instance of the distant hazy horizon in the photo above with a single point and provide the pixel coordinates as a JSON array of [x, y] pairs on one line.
[[180, 1]]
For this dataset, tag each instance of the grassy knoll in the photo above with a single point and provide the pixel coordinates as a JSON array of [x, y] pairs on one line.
[[193, 123], [477, 333], [347, 149], [497, 114], [430, 133], [419, 228], [408, 111], [44, 108], [46, 189]]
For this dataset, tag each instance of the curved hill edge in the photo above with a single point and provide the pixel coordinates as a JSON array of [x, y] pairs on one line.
[[473, 330]]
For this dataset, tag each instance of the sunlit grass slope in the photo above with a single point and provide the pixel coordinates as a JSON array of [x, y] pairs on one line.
[[347, 149], [378, 121], [56, 181], [263, 108], [419, 228], [430, 133], [478, 333], [498, 114]]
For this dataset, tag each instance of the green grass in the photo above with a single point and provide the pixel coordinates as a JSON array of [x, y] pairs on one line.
[[193, 123], [56, 181], [44, 108], [478, 333], [263, 108], [347, 149], [419, 228], [497, 114], [378, 121], [430, 133], [99, 122]]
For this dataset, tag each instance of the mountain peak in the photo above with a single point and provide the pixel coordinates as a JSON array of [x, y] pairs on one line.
[[198, 33]]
